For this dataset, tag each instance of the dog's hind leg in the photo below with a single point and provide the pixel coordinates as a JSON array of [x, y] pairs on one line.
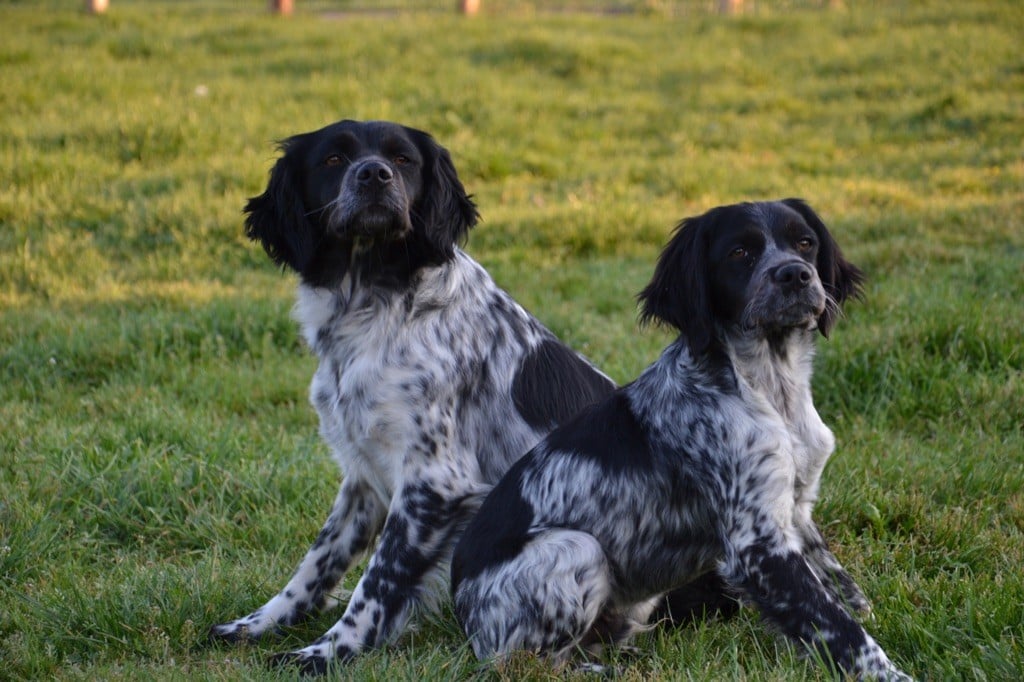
[[354, 521], [547, 599]]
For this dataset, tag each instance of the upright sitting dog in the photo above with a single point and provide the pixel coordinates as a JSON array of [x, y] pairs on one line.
[[431, 381], [708, 463]]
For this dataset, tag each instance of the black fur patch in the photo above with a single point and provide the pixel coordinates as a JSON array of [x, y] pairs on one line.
[[554, 383], [608, 432], [491, 539]]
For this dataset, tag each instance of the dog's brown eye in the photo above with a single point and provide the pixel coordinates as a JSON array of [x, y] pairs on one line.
[[805, 244], [401, 160], [333, 160], [738, 253]]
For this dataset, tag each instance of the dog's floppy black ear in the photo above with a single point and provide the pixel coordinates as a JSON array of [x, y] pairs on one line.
[[678, 294], [445, 211], [841, 278], [277, 218]]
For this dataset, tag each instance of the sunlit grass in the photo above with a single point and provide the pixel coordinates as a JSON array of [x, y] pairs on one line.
[[159, 466]]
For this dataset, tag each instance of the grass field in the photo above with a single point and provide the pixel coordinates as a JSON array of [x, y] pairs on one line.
[[159, 466]]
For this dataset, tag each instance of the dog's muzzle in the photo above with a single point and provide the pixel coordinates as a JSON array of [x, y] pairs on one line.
[[791, 296], [372, 202]]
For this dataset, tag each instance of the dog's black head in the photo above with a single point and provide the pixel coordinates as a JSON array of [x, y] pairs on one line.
[[763, 268], [376, 197]]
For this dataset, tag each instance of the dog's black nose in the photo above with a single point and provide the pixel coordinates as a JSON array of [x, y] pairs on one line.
[[374, 172], [793, 276]]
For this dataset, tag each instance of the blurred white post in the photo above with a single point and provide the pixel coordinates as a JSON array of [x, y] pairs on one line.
[[96, 6], [283, 7], [469, 7]]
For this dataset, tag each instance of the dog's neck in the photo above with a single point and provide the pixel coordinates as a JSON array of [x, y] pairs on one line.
[[776, 372], [357, 302], [776, 368], [370, 263]]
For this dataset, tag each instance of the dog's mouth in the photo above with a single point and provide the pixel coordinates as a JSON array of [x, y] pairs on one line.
[[379, 221], [778, 311], [377, 216]]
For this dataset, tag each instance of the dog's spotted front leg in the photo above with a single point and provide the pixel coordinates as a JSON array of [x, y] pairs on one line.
[[831, 573], [355, 518], [414, 549], [777, 578]]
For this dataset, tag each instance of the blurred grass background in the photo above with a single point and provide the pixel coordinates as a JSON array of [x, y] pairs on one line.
[[159, 466]]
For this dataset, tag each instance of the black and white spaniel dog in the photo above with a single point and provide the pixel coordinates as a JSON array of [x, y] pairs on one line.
[[431, 379], [707, 465]]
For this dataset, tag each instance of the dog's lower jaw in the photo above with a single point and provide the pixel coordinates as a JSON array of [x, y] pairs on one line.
[[373, 225]]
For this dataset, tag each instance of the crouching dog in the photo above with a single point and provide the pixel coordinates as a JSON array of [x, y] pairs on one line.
[[708, 464]]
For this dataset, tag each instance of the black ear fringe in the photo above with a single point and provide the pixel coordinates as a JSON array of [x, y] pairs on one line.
[[677, 294], [446, 213], [277, 218], [841, 279]]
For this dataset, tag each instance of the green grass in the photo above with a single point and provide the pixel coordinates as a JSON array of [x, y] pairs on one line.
[[159, 466]]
